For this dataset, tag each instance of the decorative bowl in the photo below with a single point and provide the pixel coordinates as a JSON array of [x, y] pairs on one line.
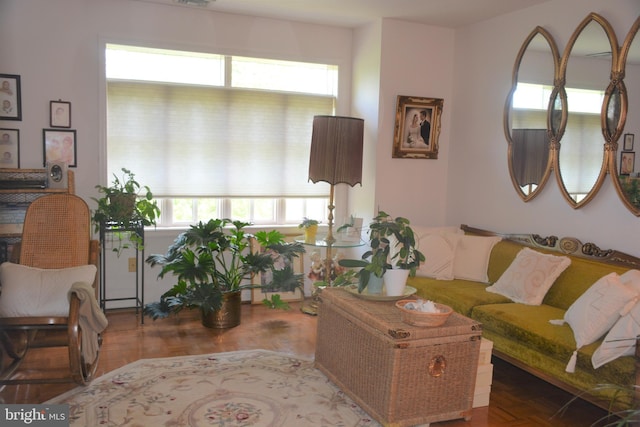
[[423, 318]]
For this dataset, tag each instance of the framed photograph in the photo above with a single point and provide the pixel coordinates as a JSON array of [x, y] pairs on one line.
[[59, 114], [59, 146], [627, 162], [10, 104], [9, 148], [417, 127], [259, 294], [628, 141]]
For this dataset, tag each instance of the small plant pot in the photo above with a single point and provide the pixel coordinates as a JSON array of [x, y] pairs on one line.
[[395, 282], [374, 287], [121, 206], [310, 234], [229, 314]]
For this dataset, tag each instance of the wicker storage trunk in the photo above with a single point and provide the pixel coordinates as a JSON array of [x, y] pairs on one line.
[[399, 374]]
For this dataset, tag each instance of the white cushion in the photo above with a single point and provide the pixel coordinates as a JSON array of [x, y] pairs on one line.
[[438, 245], [471, 259], [597, 310], [29, 291], [621, 338], [530, 276]]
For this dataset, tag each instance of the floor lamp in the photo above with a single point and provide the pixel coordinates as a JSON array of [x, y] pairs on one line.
[[336, 157]]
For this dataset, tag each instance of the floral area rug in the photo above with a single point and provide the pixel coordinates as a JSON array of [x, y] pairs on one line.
[[243, 388]]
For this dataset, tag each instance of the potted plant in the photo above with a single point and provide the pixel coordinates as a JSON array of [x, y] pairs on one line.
[[310, 227], [212, 263], [123, 203], [393, 248]]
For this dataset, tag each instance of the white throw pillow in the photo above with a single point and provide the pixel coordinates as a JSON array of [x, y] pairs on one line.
[[621, 339], [471, 259], [530, 276], [438, 246], [596, 311], [29, 291]]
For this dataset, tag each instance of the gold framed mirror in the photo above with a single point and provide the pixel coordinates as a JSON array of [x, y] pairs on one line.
[[526, 117], [586, 68], [627, 75]]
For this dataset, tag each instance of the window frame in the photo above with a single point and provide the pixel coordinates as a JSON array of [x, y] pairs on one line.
[[166, 207]]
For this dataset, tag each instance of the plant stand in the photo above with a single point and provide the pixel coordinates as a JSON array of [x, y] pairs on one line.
[[107, 228]]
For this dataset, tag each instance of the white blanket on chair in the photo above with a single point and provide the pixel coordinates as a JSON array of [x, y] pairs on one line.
[[92, 320]]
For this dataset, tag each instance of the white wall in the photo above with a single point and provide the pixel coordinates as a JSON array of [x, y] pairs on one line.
[[480, 190], [417, 60]]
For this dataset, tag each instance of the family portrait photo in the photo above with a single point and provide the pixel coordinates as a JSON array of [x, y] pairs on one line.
[[9, 148], [59, 146], [10, 108], [417, 127]]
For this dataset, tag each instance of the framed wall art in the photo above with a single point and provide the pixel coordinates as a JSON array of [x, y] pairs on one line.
[[59, 114], [9, 148], [10, 104], [259, 294], [417, 127], [628, 142], [627, 162], [59, 146]]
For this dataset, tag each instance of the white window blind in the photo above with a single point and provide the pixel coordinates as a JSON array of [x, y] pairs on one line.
[[200, 141]]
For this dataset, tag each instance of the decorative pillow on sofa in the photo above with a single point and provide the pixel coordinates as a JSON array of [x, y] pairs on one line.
[[530, 276], [596, 311], [438, 245], [621, 339], [471, 259], [29, 291]]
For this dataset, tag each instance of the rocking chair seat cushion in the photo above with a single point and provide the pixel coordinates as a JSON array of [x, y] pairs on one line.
[[29, 291]]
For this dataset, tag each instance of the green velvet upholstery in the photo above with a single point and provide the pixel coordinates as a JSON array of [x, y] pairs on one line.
[[461, 295], [523, 332]]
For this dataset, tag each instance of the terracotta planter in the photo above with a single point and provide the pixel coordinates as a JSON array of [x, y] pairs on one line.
[[229, 314]]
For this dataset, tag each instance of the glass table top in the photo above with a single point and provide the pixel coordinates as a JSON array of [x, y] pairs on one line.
[[339, 243]]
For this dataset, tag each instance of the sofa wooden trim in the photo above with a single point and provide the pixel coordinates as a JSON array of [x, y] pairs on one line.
[[574, 247], [565, 245]]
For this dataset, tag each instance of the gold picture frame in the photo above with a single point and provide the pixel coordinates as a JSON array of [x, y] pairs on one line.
[[417, 128]]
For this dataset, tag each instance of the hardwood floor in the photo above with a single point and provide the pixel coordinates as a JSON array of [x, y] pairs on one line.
[[517, 398]]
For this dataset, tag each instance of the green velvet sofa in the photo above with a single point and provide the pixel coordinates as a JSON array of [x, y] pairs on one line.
[[522, 334]]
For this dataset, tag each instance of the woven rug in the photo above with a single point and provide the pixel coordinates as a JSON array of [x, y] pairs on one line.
[[243, 388]]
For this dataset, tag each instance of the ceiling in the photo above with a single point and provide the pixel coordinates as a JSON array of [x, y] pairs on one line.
[[354, 13]]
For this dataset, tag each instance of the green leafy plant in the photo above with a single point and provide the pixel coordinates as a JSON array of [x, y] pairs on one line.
[[384, 254], [215, 257], [346, 225], [619, 395], [123, 203], [306, 223], [276, 301]]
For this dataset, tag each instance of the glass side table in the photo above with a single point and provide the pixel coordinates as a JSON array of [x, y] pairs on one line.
[[325, 269]]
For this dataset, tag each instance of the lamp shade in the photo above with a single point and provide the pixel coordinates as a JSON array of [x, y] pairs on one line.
[[336, 150]]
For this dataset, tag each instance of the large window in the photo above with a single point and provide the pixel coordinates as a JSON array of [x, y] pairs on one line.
[[218, 136]]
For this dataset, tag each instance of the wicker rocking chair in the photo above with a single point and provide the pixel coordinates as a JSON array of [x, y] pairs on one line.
[[56, 235]]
